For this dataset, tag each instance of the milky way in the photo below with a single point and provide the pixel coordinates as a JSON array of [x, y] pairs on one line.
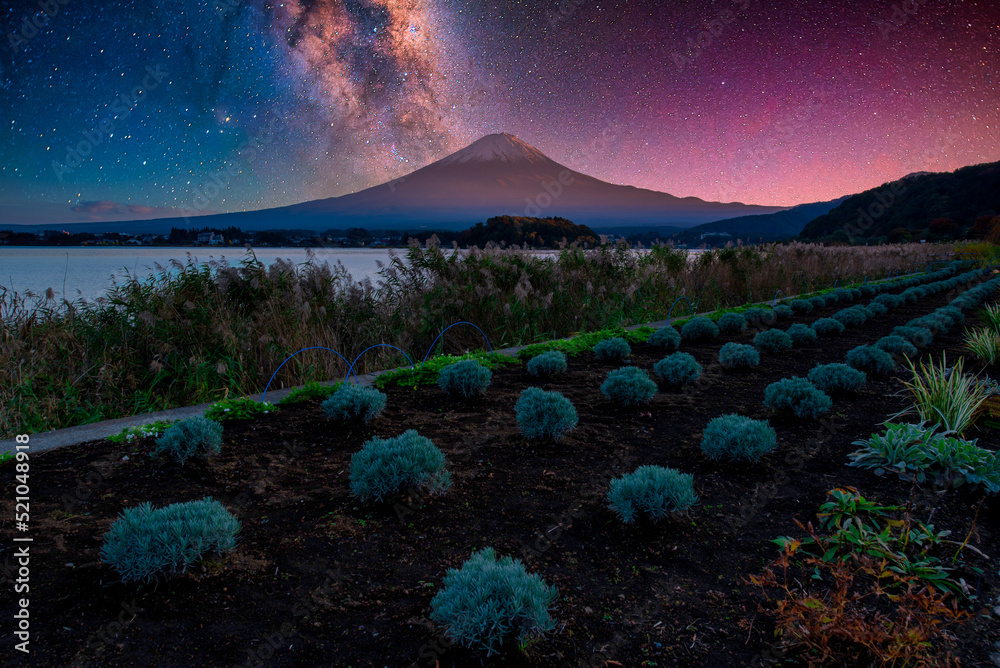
[[264, 104]]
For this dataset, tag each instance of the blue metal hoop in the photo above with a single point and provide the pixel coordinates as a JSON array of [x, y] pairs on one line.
[[424, 361], [675, 304], [377, 345], [349, 367]]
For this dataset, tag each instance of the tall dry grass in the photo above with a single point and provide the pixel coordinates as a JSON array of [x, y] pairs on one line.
[[204, 332]]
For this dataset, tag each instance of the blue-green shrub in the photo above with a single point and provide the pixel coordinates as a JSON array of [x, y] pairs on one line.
[[542, 414], [935, 325], [955, 314], [630, 386], [802, 334], [890, 301], [651, 491], [853, 316], [738, 356], [731, 323], [615, 349], [145, 543], [782, 311], [921, 337], [896, 345], [738, 438], [836, 377], [758, 317], [828, 327], [772, 341], [870, 360], [467, 378], [677, 369], [818, 302], [489, 599], [547, 364], [193, 437], [351, 402], [801, 306], [699, 329], [385, 467], [797, 395], [875, 309], [844, 296], [665, 337]]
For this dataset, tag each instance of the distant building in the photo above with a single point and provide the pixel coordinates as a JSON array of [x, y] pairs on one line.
[[210, 239]]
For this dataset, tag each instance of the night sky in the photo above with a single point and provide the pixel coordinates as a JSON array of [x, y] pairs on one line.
[[761, 102]]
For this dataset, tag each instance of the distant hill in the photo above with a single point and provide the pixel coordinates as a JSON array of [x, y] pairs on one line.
[[754, 229], [531, 231], [925, 205]]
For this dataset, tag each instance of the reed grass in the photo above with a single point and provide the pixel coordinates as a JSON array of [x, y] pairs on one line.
[[194, 333]]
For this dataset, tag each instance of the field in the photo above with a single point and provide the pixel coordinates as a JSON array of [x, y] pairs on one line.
[[319, 578]]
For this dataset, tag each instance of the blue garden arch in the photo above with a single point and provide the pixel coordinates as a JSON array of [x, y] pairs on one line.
[[675, 304], [377, 345], [349, 366], [454, 324]]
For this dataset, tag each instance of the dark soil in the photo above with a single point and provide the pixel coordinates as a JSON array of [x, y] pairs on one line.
[[319, 579]]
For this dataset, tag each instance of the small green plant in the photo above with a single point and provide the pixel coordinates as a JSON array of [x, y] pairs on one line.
[[583, 343], [429, 371], [832, 378], [145, 543], [193, 437], [386, 467], [738, 356], [152, 430], [243, 408], [731, 323], [895, 344], [797, 395], [870, 359], [801, 334], [677, 369], [542, 414], [468, 378], [665, 337], [738, 438], [629, 385], [984, 343], [489, 599], [772, 341], [943, 396], [547, 364], [352, 402], [990, 315], [308, 392], [7, 457], [828, 327], [699, 329], [653, 492], [615, 349]]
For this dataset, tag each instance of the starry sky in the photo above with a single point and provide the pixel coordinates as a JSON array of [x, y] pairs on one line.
[[134, 109]]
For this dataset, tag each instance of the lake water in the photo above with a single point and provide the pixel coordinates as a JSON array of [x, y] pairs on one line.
[[87, 272]]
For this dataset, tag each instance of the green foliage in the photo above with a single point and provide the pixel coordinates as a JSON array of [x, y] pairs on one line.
[[468, 378], [547, 364], [894, 344], [666, 337], [943, 396], [386, 467], [737, 438], [6, 458], [990, 316], [984, 343], [828, 327], [243, 408], [738, 356], [653, 492], [630, 386], [773, 341], [921, 453], [836, 377], [731, 323], [352, 402], [193, 437], [699, 329], [797, 395], [584, 343], [489, 599], [870, 360], [542, 414], [154, 429], [801, 306], [801, 334], [308, 392], [430, 371], [145, 543], [677, 369], [615, 349]]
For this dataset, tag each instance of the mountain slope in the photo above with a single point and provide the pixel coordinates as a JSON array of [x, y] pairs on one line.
[[753, 229]]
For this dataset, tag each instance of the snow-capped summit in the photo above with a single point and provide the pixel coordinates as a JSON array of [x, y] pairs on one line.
[[501, 147]]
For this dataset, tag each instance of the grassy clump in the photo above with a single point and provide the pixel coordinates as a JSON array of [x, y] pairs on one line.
[[629, 386], [385, 467], [945, 397], [243, 408], [836, 378], [310, 391], [738, 438], [615, 349], [468, 378], [351, 402], [542, 414], [547, 364], [738, 356], [677, 369], [490, 599], [797, 395], [193, 437], [653, 492], [147, 543]]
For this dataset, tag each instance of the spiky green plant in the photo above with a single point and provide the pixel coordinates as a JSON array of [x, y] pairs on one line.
[[984, 343], [943, 396], [991, 316]]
